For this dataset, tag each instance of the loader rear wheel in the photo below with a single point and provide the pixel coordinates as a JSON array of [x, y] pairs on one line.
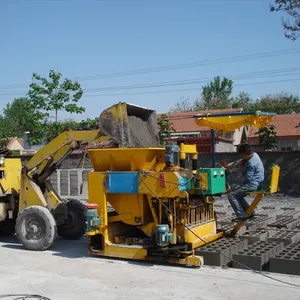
[[73, 228], [36, 228]]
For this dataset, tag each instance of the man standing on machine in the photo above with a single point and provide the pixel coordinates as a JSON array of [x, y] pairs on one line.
[[254, 177]]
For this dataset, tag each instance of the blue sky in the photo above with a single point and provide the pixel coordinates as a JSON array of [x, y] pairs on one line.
[[88, 38]]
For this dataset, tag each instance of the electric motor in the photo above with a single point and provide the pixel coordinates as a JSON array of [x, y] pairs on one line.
[[163, 235], [92, 220]]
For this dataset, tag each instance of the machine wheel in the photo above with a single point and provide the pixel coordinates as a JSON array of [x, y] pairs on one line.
[[7, 227], [36, 228], [73, 228]]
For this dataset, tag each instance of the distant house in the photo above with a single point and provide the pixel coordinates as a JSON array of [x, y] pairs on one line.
[[287, 131], [15, 144], [187, 131]]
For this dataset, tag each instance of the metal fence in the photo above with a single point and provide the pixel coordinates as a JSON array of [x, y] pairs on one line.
[[71, 183]]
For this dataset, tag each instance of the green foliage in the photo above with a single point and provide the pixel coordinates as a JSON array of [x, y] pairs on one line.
[[51, 95], [267, 137], [31, 114], [282, 103], [3, 142], [292, 8], [165, 128], [243, 100], [216, 94], [20, 116]]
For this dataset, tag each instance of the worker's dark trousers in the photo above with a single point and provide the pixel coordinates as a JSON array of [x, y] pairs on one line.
[[238, 201]]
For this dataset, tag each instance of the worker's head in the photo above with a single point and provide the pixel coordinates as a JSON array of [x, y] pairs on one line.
[[245, 151]]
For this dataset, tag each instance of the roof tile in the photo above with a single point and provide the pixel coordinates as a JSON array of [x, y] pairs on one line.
[[284, 125]]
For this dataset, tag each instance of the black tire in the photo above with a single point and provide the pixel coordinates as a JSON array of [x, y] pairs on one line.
[[74, 227], [36, 228], [7, 227]]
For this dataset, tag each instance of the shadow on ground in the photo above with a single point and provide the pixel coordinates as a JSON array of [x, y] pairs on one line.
[[63, 248]]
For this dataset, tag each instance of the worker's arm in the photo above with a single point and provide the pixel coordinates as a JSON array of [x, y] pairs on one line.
[[232, 166]]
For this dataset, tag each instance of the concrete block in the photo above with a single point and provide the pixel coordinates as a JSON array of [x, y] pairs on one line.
[[227, 228], [287, 237], [256, 255], [289, 213], [219, 253], [258, 222], [214, 256], [225, 221], [253, 237], [285, 223], [287, 261]]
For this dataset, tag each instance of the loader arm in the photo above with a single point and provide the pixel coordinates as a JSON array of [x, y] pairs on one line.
[[35, 189], [47, 159]]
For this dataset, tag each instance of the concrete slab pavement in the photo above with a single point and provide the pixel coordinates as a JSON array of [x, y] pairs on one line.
[[67, 272]]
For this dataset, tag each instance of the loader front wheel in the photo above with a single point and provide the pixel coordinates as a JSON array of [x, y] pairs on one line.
[[73, 228], [36, 228]]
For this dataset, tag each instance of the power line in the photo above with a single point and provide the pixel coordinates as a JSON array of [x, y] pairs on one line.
[[194, 64], [240, 76], [184, 90], [176, 90], [251, 75]]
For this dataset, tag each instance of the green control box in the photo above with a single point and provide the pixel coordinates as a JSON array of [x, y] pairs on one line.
[[210, 181]]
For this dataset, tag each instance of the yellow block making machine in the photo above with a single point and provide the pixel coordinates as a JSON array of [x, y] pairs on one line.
[[143, 203], [138, 209]]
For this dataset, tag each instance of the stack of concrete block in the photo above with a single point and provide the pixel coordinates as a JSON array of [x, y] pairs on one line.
[[227, 228], [287, 261], [254, 236], [285, 236], [286, 222], [265, 212], [225, 221], [256, 255], [259, 222], [270, 207], [289, 213], [220, 252]]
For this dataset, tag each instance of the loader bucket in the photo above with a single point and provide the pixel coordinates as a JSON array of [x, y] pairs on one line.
[[130, 126]]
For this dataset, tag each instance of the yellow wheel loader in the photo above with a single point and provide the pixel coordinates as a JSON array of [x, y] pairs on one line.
[[29, 205]]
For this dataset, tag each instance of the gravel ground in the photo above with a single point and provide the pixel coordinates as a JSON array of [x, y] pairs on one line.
[[67, 272]]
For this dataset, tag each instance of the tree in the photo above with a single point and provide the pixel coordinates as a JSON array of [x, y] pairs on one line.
[[267, 137], [292, 8], [165, 128], [243, 100], [183, 105], [21, 116], [281, 103], [53, 95], [216, 94]]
